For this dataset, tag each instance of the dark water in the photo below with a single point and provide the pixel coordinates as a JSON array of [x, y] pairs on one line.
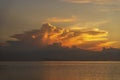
[[62, 70]]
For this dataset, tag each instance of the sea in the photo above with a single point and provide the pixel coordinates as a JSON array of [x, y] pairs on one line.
[[60, 70]]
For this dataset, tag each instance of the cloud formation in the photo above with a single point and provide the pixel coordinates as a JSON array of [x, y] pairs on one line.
[[58, 19], [91, 24], [84, 38], [91, 1], [113, 9]]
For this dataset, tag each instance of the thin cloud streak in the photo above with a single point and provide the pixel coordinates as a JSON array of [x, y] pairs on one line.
[[91, 1], [89, 24], [60, 20]]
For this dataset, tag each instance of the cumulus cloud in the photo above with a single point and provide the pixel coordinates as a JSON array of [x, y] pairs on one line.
[[58, 19], [84, 38], [91, 1]]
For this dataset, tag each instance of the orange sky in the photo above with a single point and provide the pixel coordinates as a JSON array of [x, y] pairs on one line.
[[83, 38]]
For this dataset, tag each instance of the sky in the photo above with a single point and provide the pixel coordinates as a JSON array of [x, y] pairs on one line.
[[17, 16]]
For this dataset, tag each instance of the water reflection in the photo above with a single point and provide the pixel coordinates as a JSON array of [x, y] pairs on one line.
[[59, 70]]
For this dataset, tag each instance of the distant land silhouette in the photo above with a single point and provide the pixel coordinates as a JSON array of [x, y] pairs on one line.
[[55, 53]]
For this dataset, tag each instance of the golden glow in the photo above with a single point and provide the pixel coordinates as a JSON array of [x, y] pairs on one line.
[[84, 38], [90, 39], [107, 44], [33, 36]]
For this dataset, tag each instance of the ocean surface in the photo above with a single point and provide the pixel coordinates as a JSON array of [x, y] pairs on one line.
[[60, 70]]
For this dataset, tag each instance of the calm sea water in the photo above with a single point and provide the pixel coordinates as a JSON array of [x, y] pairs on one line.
[[61, 70]]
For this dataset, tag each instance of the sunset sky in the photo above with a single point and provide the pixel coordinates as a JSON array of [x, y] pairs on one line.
[[17, 16]]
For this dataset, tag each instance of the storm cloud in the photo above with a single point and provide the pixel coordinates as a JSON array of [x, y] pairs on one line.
[[84, 38]]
